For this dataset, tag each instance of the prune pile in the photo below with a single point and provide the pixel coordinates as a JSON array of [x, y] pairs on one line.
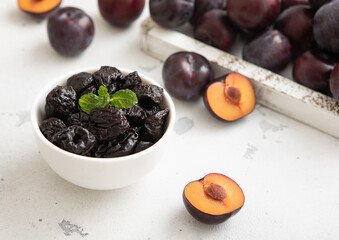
[[276, 32], [108, 131]]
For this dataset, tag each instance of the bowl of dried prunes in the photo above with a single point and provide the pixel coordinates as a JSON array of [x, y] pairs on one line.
[[102, 127]]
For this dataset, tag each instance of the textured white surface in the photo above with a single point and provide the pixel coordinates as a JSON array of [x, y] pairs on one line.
[[288, 171]]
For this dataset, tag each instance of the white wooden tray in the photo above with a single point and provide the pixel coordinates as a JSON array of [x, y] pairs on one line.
[[272, 90]]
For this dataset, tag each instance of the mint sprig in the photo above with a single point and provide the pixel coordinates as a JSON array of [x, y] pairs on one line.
[[122, 99]]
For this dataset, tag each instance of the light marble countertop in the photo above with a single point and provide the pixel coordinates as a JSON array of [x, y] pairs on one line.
[[288, 171]]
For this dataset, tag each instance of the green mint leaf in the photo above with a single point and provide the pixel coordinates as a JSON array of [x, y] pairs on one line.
[[124, 99], [90, 101]]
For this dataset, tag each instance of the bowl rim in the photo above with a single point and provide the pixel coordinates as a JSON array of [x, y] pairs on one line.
[[62, 79]]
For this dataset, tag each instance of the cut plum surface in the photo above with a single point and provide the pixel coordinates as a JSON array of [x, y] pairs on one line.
[[38, 7], [231, 99], [213, 199]]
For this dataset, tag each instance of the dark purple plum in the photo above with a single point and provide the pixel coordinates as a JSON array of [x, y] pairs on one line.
[[312, 71], [186, 74], [203, 6], [288, 3], [331, 57], [215, 29], [334, 82], [70, 31], [171, 13], [316, 4], [296, 23], [121, 13], [326, 27], [254, 15], [270, 50]]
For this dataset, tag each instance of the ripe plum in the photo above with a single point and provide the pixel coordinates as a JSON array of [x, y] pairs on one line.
[[70, 31], [203, 6], [288, 3], [185, 75], [316, 4], [215, 29], [326, 28], [171, 13], [312, 71], [121, 13], [270, 50], [296, 23], [254, 15], [334, 82]]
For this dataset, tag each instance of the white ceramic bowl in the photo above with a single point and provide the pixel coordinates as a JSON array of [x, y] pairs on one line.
[[98, 173]]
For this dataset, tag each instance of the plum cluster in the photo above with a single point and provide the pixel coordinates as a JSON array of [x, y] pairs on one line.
[[276, 32], [108, 131]]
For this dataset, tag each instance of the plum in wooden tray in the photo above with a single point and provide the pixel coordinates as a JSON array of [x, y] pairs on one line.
[[213, 199], [276, 91]]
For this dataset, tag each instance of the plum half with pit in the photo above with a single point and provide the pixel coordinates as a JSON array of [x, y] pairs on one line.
[[312, 71], [270, 50], [70, 30], [185, 75], [296, 23], [231, 98], [203, 6], [254, 15], [171, 13], [326, 27], [213, 199], [121, 13], [215, 29], [39, 8]]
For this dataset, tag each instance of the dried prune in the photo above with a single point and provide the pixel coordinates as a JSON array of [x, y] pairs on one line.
[[92, 89], [119, 147], [137, 128], [151, 110], [108, 77], [107, 123], [130, 81], [135, 115], [80, 118], [75, 139], [148, 94], [154, 126], [80, 82], [61, 101], [50, 126], [142, 146]]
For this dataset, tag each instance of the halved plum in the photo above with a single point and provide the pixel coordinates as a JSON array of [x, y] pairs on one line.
[[230, 99], [39, 8], [213, 199]]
